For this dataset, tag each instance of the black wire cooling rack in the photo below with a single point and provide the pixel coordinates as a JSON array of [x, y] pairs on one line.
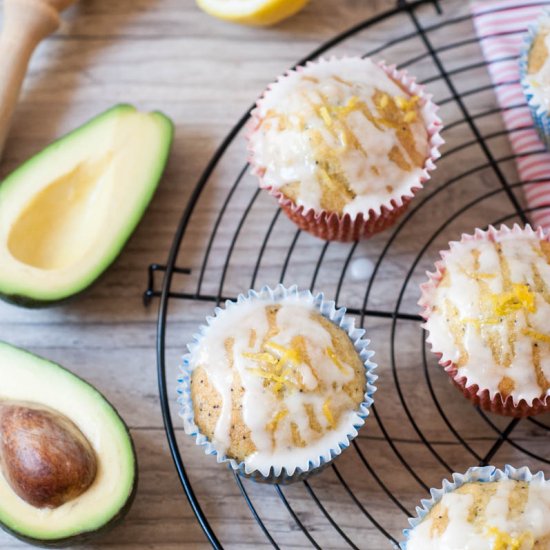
[[232, 237]]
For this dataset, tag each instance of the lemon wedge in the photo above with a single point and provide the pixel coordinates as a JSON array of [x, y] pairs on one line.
[[252, 12]]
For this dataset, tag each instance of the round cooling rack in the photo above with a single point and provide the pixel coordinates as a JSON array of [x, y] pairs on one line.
[[232, 237]]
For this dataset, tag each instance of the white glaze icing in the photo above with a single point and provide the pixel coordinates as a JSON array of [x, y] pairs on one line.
[[288, 154], [361, 269], [461, 534], [539, 82], [483, 316], [261, 403]]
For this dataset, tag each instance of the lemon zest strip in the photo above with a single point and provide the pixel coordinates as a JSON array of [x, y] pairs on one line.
[[286, 354], [504, 541], [325, 115], [261, 357], [480, 275], [274, 423], [520, 297], [536, 335], [334, 358], [328, 413], [401, 102], [384, 100], [480, 322]]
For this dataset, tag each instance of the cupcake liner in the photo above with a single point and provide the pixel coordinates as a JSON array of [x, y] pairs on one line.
[[330, 225], [483, 474], [539, 113], [480, 396], [315, 463]]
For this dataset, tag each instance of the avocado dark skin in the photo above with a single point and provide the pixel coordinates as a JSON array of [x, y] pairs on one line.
[[86, 536], [33, 438], [94, 150], [82, 537], [31, 303]]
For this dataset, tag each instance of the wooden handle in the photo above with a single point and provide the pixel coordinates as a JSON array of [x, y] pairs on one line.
[[26, 23]]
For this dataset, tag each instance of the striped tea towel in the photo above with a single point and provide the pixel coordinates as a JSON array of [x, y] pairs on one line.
[[500, 26]]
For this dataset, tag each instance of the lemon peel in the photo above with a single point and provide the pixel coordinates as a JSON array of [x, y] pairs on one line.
[[335, 359], [536, 335], [284, 354], [505, 541], [273, 366], [479, 275], [328, 413], [325, 115], [274, 423], [520, 297], [252, 12], [505, 303]]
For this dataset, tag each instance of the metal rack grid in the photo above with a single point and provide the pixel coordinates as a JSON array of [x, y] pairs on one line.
[[225, 206]]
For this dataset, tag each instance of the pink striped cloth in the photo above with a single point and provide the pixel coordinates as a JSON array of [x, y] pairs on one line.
[[501, 35]]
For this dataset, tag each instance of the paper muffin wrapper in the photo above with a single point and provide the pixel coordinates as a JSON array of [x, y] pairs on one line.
[[330, 225], [314, 464], [539, 112], [476, 474], [481, 397]]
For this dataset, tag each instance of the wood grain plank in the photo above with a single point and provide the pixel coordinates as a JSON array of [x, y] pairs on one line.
[[166, 54]]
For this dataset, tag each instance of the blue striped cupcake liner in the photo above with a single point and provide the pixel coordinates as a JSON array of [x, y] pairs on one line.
[[483, 474], [316, 463], [539, 113]]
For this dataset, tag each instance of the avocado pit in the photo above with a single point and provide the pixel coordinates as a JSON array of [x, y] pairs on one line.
[[44, 456]]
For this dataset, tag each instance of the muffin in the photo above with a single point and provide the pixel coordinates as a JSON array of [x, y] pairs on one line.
[[343, 144], [487, 308], [535, 75], [485, 509], [277, 384]]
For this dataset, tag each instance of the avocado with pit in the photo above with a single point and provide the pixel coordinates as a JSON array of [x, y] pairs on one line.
[[68, 468], [66, 213]]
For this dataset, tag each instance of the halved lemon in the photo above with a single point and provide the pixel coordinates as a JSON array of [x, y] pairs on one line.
[[252, 12]]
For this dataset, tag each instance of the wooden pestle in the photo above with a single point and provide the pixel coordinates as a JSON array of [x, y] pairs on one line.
[[26, 23]]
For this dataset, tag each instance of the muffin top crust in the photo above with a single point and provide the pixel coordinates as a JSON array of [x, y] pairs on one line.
[[340, 136], [275, 383], [497, 515], [490, 312], [538, 64]]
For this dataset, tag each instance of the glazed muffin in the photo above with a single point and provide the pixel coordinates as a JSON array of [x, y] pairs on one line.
[[343, 144], [538, 67], [503, 514], [487, 309], [535, 74], [274, 384]]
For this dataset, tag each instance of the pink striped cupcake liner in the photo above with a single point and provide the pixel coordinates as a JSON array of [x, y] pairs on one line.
[[482, 397]]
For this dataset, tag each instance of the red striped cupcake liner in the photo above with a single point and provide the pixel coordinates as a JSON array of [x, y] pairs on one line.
[[330, 225]]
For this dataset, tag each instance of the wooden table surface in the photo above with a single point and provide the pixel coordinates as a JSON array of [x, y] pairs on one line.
[[203, 73]]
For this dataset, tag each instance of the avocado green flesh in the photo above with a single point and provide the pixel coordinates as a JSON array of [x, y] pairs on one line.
[[66, 213], [28, 378]]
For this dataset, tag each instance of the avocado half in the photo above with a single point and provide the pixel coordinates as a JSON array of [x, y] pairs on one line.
[[67, 212], [27, 378]]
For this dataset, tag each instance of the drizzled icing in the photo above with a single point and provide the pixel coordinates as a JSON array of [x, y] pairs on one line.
[[284, 370], [539, 77], [500, 515], [490, 313], [344, 126]]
